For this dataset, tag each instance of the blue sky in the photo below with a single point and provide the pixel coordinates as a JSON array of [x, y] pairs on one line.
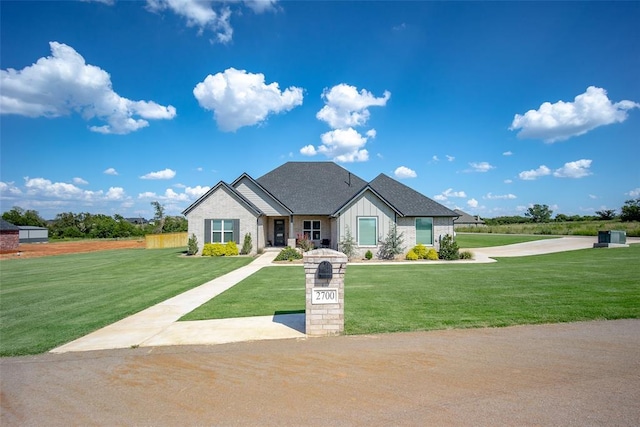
[[489, 107]]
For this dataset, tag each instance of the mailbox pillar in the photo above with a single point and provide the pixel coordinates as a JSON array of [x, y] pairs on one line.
[[324, 274]]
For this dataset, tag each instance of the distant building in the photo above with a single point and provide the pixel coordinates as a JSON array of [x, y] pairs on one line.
[[466, 220], [9, 236], [137, 221], [32, 234]]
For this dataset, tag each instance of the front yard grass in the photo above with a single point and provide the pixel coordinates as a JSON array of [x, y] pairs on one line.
[[563, 287], [477, 240], [46, 302]]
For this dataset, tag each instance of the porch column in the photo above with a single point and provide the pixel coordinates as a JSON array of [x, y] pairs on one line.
[[291, 242]]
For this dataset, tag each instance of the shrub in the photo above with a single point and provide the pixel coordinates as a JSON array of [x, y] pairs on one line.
[[214, 249], [448, 248], [247, 246], [392, 245], [420, 250], [304, 243], [192, 245], [348, 244], [288, 254], [412, 255], [466, 255], [432, 255], [368, 255], [231, 249]]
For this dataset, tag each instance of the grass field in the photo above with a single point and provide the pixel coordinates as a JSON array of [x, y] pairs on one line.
[[476, 240], [562, 287], [45, 302], [568, 228]]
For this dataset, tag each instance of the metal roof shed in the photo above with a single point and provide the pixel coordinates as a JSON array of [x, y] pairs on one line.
[[31, 234]]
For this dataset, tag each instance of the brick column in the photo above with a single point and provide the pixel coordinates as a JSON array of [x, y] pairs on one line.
[[324, 313]]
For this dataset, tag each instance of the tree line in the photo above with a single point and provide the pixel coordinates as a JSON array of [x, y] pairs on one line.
[[68, 225]]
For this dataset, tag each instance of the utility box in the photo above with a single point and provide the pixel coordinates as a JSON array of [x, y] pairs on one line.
[[613, 236]]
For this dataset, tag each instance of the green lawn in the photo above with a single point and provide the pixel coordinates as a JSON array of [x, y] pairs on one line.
[[46, 302], [563, 287], [473, 240]]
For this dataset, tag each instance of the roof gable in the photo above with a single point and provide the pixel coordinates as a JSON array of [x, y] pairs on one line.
[[315, 188], [231, 191], [246, 176], [407, 200], [465, 218], [7, 226]]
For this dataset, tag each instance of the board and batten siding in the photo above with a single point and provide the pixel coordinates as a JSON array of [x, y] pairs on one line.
[[259, 198], [441, 227], [367, 205], [223, 205]]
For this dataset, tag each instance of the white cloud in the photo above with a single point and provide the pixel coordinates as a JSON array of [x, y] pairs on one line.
[[507, 153], [163, 174], [435, 158], [405, 172], [115, 193], [199, 13], [308, 150], [532, 174], [238, 98], [346, 107], [7, 188], [473, 203], [507, 181], [491, 196], [593, 196], [197, 191], [169, 196], [259, 6], [344, 145], [634, 193], [110, 171], [63, 83], [577, 169], [79, 181], [147, 195], [450, 158], [449, 193], [562, 120], [480, 167]]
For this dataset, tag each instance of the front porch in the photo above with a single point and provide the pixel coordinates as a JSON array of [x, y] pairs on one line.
[[280, 232]]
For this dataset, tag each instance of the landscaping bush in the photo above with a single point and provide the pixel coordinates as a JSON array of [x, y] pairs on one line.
[[392, 245], [432, 255], [412, 255], [420, 250], [247, 245], [214, 249], [348, 244], [448, 248], [231, 249], [304, 243], [466, 255], [288, 254], [192, 245], [368, 255]]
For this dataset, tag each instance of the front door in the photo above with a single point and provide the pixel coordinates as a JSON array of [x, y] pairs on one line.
[[278, 232]]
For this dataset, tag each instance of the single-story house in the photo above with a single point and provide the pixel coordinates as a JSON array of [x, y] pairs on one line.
[[9, 236], [319, 200], [466, 220], [33, 234]]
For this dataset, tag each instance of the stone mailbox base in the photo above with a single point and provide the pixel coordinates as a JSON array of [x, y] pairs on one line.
[[324, 314]]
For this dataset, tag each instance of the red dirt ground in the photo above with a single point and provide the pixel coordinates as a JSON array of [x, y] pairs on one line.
[[33, 250]]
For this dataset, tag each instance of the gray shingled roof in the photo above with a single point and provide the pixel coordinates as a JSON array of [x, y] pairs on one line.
[[465, 218], [7, 226], [407, 200], [314, 188]]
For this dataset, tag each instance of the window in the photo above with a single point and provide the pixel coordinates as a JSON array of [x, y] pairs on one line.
[[311, 229], [424, 231], [221, 230], [367, 231]]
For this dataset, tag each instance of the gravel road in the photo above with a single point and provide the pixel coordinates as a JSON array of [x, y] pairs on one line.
[[577, 374]]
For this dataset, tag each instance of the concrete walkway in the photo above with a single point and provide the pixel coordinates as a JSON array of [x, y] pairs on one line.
[[159, 326]]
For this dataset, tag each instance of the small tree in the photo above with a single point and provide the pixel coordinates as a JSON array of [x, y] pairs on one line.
[[631, 210], [247, 245], [392, 245], [159, 216], [448, 248], [606, 214], [348, 244], [539, 213], [192, 245]]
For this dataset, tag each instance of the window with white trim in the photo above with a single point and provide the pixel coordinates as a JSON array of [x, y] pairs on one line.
[[221, 230], [368, 231], [311, 229], [424, 231]]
